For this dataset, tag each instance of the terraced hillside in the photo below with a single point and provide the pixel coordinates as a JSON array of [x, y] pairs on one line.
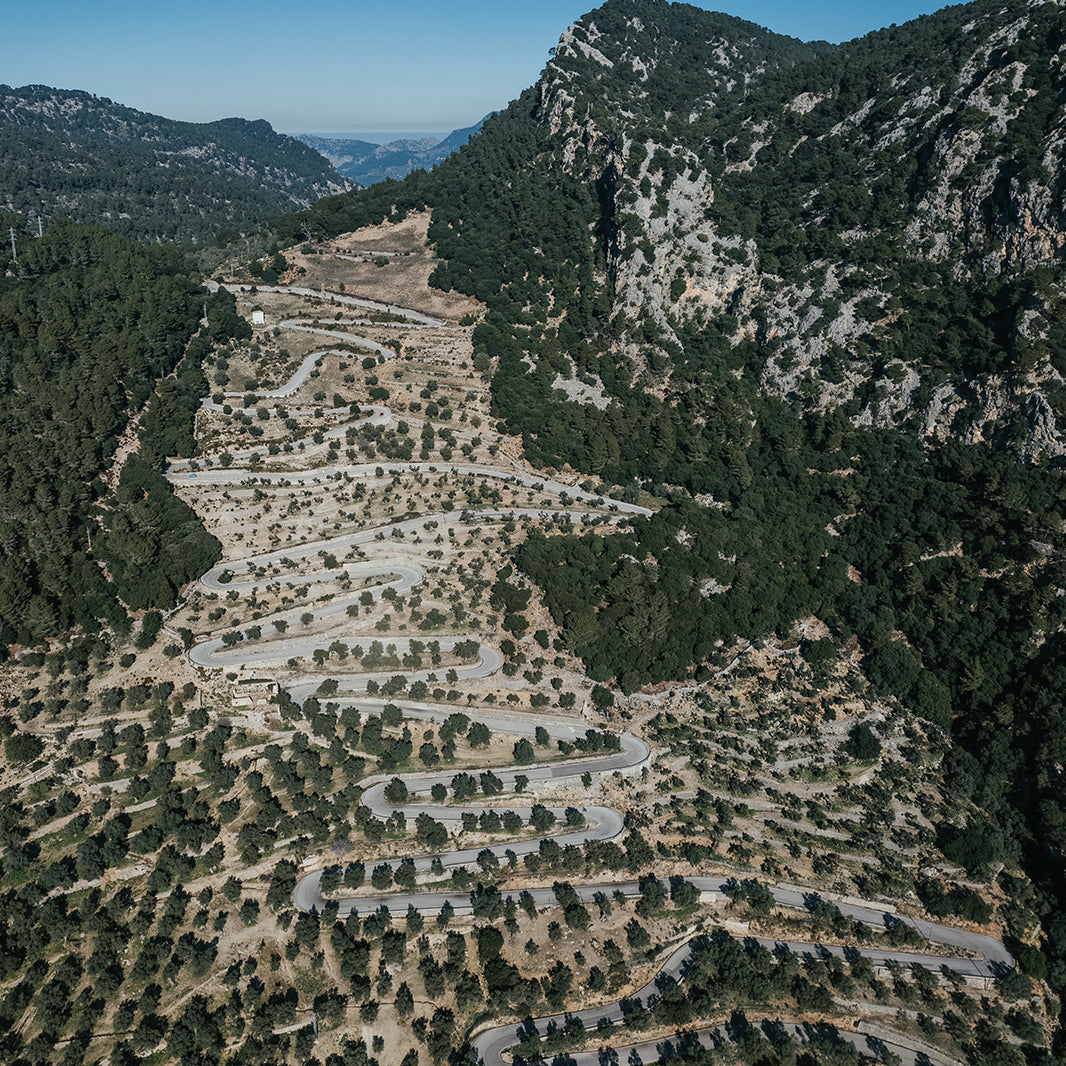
[[377, 796]]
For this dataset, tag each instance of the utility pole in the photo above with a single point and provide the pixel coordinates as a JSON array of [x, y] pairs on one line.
[[14, 252]]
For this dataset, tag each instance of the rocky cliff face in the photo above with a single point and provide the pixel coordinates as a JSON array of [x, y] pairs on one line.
[[876, 228]]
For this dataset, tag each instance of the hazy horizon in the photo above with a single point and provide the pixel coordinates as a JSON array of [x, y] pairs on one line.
[[375, 136], [409, 65]]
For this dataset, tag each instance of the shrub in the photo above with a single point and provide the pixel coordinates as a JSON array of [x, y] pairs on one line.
[[862, 743], [23, 747]]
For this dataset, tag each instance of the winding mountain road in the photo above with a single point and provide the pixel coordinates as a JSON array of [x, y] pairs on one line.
[[415, 317], [979, 956]]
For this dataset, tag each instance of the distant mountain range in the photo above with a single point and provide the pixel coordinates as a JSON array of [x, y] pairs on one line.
[[68, 153], [364, 163]]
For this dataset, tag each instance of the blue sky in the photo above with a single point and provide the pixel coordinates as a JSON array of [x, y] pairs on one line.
[[338, 65]]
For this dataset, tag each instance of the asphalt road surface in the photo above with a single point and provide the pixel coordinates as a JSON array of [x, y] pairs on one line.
[[977, 956], [334, 298], [493, 1043]]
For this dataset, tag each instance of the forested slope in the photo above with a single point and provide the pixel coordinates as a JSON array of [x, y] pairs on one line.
[[69, 154], [813, 299], [89, 322]]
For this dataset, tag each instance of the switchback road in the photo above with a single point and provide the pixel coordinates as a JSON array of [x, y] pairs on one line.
[[976, 956]]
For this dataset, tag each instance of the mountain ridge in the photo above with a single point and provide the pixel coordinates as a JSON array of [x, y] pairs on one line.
[[671, 185], [874, 201], [70, 153]]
